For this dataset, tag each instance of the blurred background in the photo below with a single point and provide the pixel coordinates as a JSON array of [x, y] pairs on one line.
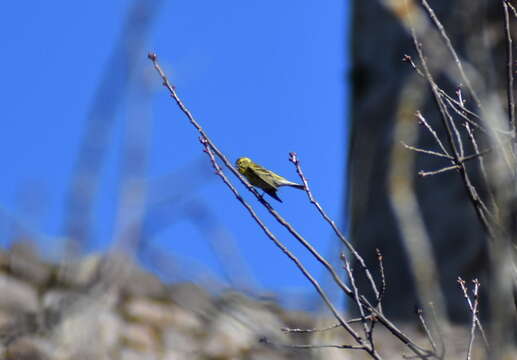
[[98, 158], [113, 223]]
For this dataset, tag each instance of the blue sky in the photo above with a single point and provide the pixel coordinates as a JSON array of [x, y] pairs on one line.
[[263, 78]]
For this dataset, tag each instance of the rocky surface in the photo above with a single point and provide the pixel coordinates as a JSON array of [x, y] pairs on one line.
[[108, 308], [100, 308]]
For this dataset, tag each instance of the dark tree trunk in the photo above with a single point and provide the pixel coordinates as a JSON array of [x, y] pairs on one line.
[[380, 97]]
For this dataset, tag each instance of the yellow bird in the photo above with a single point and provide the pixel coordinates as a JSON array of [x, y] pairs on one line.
[[263, 178]]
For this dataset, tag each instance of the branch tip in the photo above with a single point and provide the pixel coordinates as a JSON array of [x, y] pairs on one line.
[[293, 158]]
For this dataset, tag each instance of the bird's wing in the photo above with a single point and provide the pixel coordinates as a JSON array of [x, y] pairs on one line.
[[265, 176], [273, 179], [281, 181], [260, 177], [273, 194]]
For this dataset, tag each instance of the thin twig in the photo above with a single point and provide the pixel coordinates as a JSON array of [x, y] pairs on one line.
[[420, 315], [477, 285], [477, 153], [457, 134], [367, 331], [265, 340], [428, 152], [484, 174], [445, 116], [409, 59], [421, 353], [442, 351], [451, 49], [454, 104], [435, 135], [471, 307], [463, 112], [357, 300], [509, 68], [439, 171], [331, 327], [294, 159], [474, 318], [460, 110], [307, 331], [512, 8], [383, 278], [465, 158], [484, 212]]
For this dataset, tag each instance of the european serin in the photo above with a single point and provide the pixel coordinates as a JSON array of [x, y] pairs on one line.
[[263, 178]]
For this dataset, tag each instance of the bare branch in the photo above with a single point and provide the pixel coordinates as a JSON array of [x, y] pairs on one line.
[[364, 322], [428, 152], [212, 150], [484, 175], [383, 278], [439, 171], [294, 159], [420, 314], [451, 49], [331, 327], [473, 306], [472, 334], [435, 135], [445, 116], [409, 59], [512, 8], [509, 68], [265, 340], [280, 245]]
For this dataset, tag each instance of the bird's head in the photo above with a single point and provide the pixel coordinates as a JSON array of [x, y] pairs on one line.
[[242, 164]]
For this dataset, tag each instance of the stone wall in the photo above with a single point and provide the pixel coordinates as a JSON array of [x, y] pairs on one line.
[[97, 308], [106, 307]]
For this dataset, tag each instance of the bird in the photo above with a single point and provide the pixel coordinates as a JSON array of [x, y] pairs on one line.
[[263, 178]]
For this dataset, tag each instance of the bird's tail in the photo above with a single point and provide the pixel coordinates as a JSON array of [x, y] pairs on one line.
[[297, 186]]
